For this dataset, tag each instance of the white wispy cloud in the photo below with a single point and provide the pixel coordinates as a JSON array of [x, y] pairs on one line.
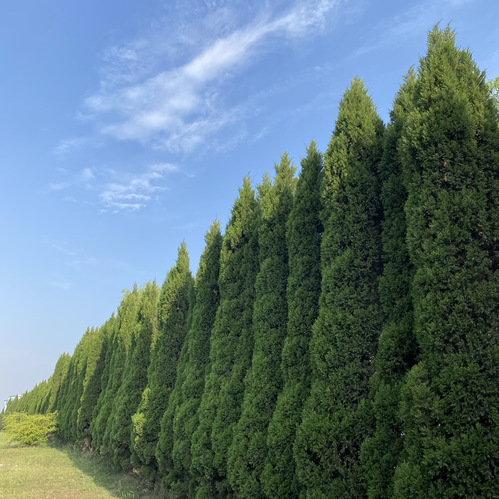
[[115, 190], [179, 105], [84, 177], [66, 146], [133, 191], [63, 248], [58, 186]]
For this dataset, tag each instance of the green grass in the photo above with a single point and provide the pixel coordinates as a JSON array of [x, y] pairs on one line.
[[57, 471]]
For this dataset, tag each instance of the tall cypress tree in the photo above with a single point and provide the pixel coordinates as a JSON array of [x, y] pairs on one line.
[[119, 340], [56, 381], [134, 380], [397, 348], [173, 451], [72, 391], [97, 426], [345, 335], [95, 355], [126, 323], [80, 391], [232, 330], [263, 383], [303, 237], [173, 310], [450, 402]]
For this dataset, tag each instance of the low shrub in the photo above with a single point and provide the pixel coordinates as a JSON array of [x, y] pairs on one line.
[[29, 429]]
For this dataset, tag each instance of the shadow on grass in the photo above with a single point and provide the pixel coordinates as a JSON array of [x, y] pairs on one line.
[[104, 474]]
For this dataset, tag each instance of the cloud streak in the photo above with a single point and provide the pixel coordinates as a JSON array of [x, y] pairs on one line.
[[178, 108], [118, 191], [133, 192], [82, 178]]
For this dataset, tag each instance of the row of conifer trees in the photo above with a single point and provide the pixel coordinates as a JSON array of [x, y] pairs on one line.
[[341, 338]]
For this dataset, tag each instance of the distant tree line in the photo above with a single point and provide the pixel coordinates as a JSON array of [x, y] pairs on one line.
[[341, 339]]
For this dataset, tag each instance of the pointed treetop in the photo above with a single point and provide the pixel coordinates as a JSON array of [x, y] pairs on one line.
[[214, 228], [285, 174], [182, 262], [312, 148], [264, 187], [358, 129], [246, 189], [242, 210], [356, 113]]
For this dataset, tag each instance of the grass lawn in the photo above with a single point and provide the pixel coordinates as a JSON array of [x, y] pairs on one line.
[[61, 472]]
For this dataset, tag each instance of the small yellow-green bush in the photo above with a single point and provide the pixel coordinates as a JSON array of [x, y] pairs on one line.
[[29, 429]]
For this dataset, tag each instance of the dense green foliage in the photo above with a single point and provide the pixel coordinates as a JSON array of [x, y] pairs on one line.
[[340, 340], [263, 383], [450, 401], [303, 239], [173, 451], [79, 391], [397, 348], [135, 376], [102, 408], [345, 335], [494, 90], [230, 347], [173, 311], [29, 429]]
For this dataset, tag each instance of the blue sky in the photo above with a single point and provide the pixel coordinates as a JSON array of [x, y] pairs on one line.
[[126, 127]]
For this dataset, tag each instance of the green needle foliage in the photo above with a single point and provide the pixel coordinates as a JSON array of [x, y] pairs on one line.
[[68, 398], [232, 332], [397, 348], [30, 402], [493, 86], [55, 382], [345, 335], [119, 331], [91, 382], [97, 425], [174, 446], [303, 236], [134, 377], [264, 381], [450, 402], [173, 310], [78, 392], [126, 321]]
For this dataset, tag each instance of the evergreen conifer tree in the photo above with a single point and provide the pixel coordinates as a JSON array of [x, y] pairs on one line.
[[126, 322], [450, 402], [303, 237], [80, 372], [173, 310], [247, 453], [134, 377], [345, 335], [97, 426], [397, 349], [119, 340], [173, 452], [232, 330], [68, 402], [56, 380], [95, 356]]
